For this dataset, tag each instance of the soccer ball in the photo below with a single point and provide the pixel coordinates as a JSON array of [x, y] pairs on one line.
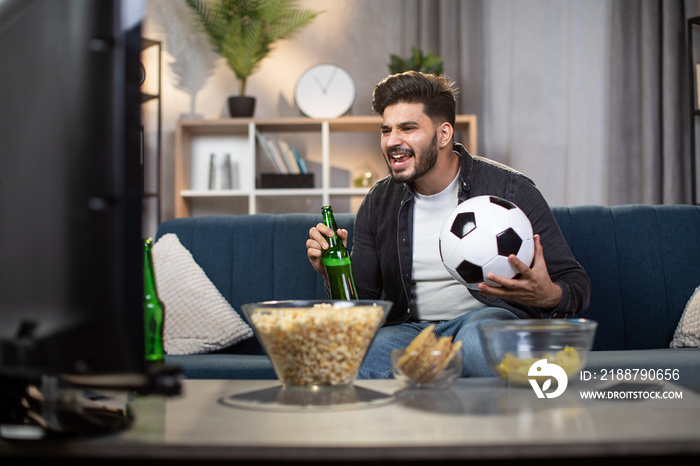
[[479, 235]]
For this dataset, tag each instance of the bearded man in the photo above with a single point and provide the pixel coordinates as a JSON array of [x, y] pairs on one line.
[[395, 252]]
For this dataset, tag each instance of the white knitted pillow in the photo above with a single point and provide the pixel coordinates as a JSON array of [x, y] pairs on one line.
[[688, 329], [198, 319]]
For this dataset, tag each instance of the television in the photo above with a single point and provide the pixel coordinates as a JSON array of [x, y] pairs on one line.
[[71, 251]]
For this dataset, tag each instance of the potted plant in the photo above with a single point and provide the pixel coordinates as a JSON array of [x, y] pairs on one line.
[[243, 33], [430, 63]]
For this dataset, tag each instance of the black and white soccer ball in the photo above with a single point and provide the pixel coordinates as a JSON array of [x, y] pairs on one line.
[[479, 235]]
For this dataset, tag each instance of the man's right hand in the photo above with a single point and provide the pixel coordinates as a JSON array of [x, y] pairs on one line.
[[317, 243]]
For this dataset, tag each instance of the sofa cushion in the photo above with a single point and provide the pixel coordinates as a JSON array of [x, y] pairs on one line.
[[642, 261], [688, 330], [197, 317], [224, 366]]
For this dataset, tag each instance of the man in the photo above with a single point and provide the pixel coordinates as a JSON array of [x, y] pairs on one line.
[[396, 255]]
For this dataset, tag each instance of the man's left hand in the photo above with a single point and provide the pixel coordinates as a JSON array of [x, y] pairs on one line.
[[533, 287]]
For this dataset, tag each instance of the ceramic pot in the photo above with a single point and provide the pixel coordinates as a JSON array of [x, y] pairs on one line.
[[241, 106]]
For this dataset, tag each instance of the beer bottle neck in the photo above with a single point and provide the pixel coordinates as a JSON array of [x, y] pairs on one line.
[[149, 283], [329, 221]]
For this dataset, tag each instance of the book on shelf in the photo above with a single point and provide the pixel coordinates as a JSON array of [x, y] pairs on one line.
[[288, 156], [277, 156], [271, 153], [301, 162], [281, 155]]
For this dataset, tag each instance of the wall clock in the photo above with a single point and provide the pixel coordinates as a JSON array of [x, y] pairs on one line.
[[325, 91]]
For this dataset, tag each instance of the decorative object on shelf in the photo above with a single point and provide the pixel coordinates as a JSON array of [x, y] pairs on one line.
[[364, 176], [142, 73], [282, 181], [222, 173], [430, 63], [325, 91], [244, 31], [191, 61]]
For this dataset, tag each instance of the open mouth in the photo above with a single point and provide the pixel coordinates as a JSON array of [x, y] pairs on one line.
[[400, 157]]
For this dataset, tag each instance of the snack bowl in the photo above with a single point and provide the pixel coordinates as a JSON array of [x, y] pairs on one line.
[[513, 347], [316, 343], [436, 369]]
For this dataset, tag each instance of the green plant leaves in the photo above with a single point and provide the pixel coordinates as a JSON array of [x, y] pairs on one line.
[[243, 32], [430, 63]]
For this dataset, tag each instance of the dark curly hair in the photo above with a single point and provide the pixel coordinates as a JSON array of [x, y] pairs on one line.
[[436, 93]]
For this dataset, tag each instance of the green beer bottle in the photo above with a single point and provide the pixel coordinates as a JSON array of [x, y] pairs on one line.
[[337, 261], [153, 309]]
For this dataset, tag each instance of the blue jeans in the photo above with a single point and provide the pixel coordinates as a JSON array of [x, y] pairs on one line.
[[377, 363]]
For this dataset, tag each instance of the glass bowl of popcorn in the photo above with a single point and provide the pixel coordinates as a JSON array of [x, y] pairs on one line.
[[520, 350], [316, 343]]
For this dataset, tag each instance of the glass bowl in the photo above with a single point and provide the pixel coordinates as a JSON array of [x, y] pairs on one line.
[[512, 347], [316, 343], [437, 369]]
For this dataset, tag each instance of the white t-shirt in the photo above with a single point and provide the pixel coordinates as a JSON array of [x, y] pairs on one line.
[[437, 295]]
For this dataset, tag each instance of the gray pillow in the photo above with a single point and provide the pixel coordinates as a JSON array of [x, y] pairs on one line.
[[198, 319], [688, 330]]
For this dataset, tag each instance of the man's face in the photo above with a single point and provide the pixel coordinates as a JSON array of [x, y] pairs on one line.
[[409, 141]]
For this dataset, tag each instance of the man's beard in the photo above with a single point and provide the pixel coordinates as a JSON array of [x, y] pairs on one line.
[[423, 163]]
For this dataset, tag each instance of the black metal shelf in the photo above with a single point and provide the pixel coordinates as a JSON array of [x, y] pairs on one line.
[[155, 97]]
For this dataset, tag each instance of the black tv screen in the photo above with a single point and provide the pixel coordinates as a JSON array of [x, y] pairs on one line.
[[70, 188]]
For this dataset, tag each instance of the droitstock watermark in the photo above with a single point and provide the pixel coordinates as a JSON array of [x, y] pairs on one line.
[[548, 384]]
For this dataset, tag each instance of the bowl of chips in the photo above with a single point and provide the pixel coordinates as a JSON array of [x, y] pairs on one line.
[[428, 362], [513, 348], [316, 343]]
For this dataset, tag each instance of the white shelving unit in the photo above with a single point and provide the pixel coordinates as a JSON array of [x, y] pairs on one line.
[[237, 136]]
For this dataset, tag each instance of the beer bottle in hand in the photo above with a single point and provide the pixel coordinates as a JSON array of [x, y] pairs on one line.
[[337, 261], [153, 309]]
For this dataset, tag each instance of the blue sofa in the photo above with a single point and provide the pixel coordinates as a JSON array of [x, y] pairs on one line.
[[643, 261]]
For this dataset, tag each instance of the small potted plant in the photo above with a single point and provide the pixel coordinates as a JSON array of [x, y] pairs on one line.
[[430, 63], [243, 33]]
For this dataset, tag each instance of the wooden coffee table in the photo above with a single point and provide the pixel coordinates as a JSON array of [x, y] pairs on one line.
[[476, 419]]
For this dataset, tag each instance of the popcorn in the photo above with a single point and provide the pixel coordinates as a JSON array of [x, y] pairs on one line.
[[322, 345]]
